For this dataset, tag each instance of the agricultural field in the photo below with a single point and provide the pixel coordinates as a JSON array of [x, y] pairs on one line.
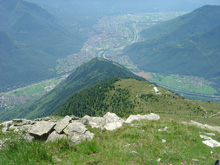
[[184, 83], [32, 92]]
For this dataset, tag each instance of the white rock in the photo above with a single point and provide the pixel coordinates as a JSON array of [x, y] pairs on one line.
[[77, 137], [25, 128], [62, 124], [206, 126], [7, 124], [134, 152], [211, 143], [113, 126], [54, 136], [111, 121], [41, 128], [28, 137], [4, 130], [75, 127], [163, 129], [159, 160], [94, 122], [164, 141], [138, 117], [205, 137], [210, 134], [89, 136]]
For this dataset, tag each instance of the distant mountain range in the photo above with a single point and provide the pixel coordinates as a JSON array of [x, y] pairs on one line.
[[31, 41], [96, 71], [186, 45], [91, 8]]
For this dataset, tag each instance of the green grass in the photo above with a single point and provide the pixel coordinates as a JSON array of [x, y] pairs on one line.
[[130, 96], [34, 89], [136, 143]]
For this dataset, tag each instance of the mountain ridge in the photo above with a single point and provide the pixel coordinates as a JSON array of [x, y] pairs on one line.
[[93, 72]]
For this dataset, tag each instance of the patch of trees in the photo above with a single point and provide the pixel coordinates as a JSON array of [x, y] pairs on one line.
[[98, 100]]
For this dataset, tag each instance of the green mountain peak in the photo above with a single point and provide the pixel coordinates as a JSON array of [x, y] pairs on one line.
[[89, 74]]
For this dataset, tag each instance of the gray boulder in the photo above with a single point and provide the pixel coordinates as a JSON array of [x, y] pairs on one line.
[[94, 122], [138, 117], [54, 136], [77, 137], [41, 129], [4, 129], [28, 137], [25, 128], [21, 122], [77, 132], [111, 121], [76, 126], [7, 124], [62, 124]]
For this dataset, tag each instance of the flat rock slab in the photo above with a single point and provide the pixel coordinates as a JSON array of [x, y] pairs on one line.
[[41, 128], [211, 143], [62, 124], [206, 126], [138, 117], [77, 127]]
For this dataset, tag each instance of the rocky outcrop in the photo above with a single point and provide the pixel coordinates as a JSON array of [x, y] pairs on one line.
[[49, 129], [62, 124], [54, 136], [138, 117], [71, 128], [111, 121], [42, 129], [94, 122]]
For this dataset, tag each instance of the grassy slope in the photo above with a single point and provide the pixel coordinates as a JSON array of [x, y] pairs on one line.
[[136, 143], [130, 96]]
